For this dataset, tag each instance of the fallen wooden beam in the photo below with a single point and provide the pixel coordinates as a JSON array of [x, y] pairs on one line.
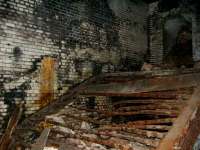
[[159, 98], [163, 128], [143, 86], [175, 102], [157, 112], [182, 125], [149, 74], [145, 122], [136, 131], [42, 140], [6, 139], [149, 107], [86, 119], [193, 131]]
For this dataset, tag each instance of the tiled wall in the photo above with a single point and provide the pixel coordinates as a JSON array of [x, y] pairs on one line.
[[83, 38]]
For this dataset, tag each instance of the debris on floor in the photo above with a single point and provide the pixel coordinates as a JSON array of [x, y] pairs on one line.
[[143, 118]]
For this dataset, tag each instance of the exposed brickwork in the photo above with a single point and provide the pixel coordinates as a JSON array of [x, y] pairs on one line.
[[131, 25], [155, 34], [84, 37]]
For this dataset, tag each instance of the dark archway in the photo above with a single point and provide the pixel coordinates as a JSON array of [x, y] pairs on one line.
[[178, 42]]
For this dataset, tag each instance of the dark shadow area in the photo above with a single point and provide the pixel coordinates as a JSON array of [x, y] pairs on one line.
[[178, 43]]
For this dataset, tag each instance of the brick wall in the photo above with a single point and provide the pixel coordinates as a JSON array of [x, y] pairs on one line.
[[155, 27], [82, 38], [132, 30]]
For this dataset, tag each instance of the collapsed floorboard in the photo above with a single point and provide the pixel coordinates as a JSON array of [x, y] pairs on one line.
[[156, 117]]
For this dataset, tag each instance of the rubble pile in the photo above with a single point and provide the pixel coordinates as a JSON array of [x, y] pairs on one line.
[[138, 123], [120, 111]]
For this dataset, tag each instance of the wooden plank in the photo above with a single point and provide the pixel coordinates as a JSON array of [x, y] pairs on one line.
[[143, 122], [13, 121], [149, 107], [153, 73], [42, 140], [157, 112], [181, 125], [131, 102], [137, 131], [114, 142], [163, 128], [144, 85], [193, 132]]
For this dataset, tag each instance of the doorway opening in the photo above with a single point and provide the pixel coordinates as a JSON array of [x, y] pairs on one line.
[[178, 42]]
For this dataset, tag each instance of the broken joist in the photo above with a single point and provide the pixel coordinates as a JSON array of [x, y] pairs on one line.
[[144, 113]]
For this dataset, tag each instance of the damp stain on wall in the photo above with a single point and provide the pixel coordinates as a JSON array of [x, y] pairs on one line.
[[47, 80]]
